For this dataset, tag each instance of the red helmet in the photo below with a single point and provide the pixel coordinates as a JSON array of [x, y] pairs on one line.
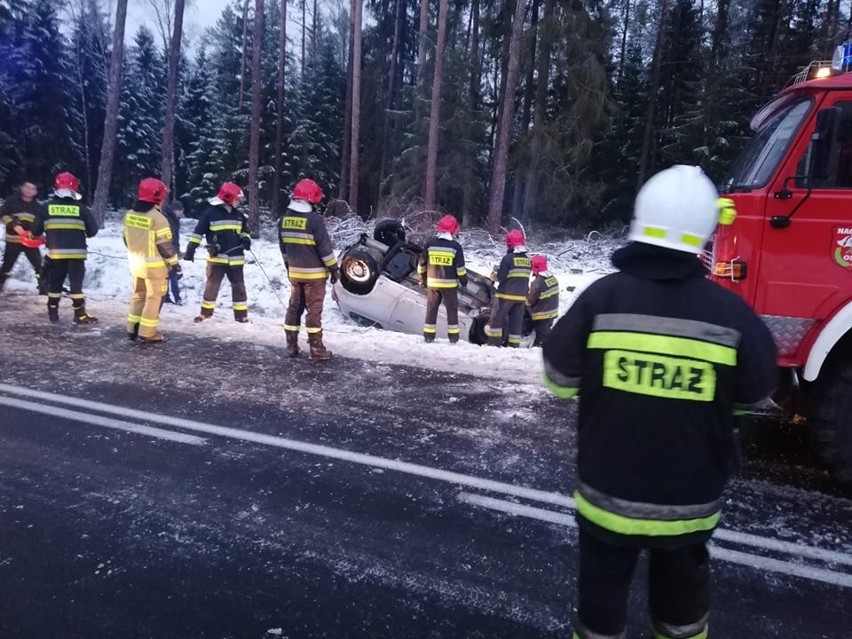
[[539, 264], [152, 190], [514, 238], [67, 181], [230, 193], [448, 224], [32, 242], [309, 191]]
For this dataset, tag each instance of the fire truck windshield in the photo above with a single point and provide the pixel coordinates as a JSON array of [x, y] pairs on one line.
[[762, 156]]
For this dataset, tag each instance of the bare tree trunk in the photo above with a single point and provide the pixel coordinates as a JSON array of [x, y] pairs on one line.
[[623, 53], [254, 133], [399, 16], [475, 82], [243, 53], [304, 33], [501, 155], [435, 111], [354, 173], [111, 119], [345, 156], [647, 138], [529, 93], [421, 42], [167, 163], [315, 32], [279, 120]]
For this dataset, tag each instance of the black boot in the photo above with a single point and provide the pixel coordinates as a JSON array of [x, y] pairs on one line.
[[132, 335], [82, 318], [3, 278], [292, 343], [53, 314]]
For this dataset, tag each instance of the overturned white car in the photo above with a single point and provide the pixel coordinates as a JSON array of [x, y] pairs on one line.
[[379, 286]]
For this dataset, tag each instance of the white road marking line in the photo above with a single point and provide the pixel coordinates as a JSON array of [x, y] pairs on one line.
[[304, 447], [105, 422], [523, 492], [767, 564]]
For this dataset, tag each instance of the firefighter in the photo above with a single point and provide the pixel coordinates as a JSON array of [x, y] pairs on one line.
[[512, 282], [543, 299], [661, 358], [442, 270], [309, 260], [66, 224], [18, 214], [151, 254], [225, 229]]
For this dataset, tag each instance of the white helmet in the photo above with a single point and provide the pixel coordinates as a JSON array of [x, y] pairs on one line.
[[676, 209]]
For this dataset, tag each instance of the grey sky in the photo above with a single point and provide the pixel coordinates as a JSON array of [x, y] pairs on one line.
[[199, 15]]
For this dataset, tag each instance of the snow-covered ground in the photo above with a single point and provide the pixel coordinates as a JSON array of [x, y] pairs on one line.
[[576, 263]]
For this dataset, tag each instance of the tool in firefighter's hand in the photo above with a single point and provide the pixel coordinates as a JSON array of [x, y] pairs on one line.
[[727, 211], [245, 243]]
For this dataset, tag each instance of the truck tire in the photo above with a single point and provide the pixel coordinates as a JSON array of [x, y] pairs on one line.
[[358, 271], [830, 417]]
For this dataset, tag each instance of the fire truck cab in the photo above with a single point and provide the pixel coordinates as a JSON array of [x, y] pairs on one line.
[[789, 251]]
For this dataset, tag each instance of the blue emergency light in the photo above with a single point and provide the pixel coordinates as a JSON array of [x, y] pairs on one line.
[[842, 60]]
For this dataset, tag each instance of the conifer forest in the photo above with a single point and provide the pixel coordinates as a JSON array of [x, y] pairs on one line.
[[549, 111]]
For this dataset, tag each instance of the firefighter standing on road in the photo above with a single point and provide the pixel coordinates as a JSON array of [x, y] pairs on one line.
[[67, 224], [309, 259], [18, 214], [442, 270], [224, 226], [512, 281], [660, 357], [151, 253], [543, 299]]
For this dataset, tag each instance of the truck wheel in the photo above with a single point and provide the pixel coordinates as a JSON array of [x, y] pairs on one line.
[[831, 421], [358, 271]]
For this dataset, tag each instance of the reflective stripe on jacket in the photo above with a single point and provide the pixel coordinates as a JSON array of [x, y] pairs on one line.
[[543, 298], [224, 228], [442, 262], [16, 212], [305, 245], [150, 248], [513, 277], [66, 224]]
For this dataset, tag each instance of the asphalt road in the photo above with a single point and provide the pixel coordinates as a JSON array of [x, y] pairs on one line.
[[214, 489]]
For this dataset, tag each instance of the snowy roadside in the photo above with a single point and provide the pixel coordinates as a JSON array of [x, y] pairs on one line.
[[576, 263]]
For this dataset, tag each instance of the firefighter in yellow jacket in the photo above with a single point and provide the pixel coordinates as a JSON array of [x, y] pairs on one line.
[[148, 237]]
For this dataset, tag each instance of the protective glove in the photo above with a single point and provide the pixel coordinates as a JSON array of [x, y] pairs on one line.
[[245, 242], [335, 275], [189, 256], [727, 211]]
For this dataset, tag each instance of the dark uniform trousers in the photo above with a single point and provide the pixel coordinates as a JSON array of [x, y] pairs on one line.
[[305, 295], [450, 298], [75, 271], [507, 318], [215, 274], [10, 256], [678, 596], [542, 330]]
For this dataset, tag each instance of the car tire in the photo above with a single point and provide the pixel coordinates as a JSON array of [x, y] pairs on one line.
[[358, 271], [830, 417], [478, 335]]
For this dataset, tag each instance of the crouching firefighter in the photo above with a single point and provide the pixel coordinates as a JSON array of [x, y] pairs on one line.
[[66, 224], [309, 259], [441, 269], [18, 214], [513, 283], [661, 358], [543, 299], [224, 226], [151, 253]]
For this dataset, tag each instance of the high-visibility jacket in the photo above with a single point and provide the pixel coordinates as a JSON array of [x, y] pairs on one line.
[[150, 249], [16, 212], [442, 263], [67, 224], [305, 246], [543, 298], [224, 228], [513, 277], [661, 358]]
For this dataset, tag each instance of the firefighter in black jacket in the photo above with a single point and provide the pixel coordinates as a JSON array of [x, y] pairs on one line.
[[442, 270], [67, 224], [543, 299], [661, 358], [309, 260], [513, 284], [18, 214], [224, 226]]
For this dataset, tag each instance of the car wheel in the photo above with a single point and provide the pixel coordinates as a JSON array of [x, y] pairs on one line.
[[358, 272], [478, 335]]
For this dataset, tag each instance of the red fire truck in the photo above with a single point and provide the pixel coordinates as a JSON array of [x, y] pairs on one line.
[[789, 251]]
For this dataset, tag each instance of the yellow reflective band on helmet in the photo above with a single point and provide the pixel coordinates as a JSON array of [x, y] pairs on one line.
[[562, 392], [659, 376], [646, 527], [664, 344]]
